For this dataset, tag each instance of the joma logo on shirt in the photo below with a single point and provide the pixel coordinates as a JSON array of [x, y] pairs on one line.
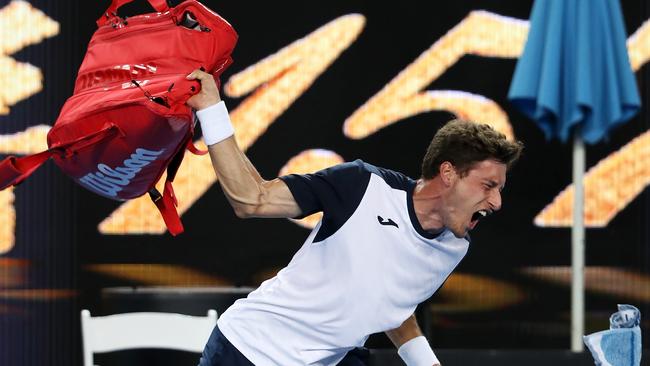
[[110, 182], [387, 222]]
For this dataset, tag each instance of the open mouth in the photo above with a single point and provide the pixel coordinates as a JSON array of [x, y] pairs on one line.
[[478, 215]]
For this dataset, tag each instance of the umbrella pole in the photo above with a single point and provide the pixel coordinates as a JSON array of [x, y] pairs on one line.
[[578, 246]]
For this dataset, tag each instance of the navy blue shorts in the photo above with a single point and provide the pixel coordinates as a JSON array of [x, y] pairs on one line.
[[220, 352]]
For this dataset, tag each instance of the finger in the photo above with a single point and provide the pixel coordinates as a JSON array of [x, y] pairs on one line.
[[197, 75]]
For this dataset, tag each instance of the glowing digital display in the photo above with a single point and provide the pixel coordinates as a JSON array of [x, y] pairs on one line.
[[36, 294], [638, 47], [158, 274], [8, 218], [461, 290], [30, 141], [621, 283], [330, 56], [13, 272], [21, 25], [609, 187], [481, 33], [279, 79]]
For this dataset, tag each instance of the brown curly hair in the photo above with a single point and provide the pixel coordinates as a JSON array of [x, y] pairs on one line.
[[464, 143]]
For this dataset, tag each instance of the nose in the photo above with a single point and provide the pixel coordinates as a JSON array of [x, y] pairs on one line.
[[495, 200]]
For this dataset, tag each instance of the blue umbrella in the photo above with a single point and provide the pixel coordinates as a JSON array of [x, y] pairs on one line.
[[574, 78]]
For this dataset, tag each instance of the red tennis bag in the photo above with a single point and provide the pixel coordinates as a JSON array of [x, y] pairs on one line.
[[127, 121]]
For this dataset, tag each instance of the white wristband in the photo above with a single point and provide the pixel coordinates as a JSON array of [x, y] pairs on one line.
[[417, 352], [215, 123]]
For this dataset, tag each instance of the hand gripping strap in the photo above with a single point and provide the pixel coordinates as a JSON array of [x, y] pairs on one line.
[[159, 5], [14, 170]]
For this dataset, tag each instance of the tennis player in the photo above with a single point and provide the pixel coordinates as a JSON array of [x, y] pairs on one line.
[[385, 244]]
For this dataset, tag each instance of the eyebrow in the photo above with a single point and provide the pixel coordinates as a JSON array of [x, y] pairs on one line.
[[493, 184]]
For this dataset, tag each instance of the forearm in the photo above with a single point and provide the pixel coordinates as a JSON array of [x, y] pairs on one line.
[[412, 347], [247, 192], [240, 181], [405, 332]]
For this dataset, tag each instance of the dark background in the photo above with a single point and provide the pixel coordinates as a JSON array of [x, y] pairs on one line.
[[56, 230]]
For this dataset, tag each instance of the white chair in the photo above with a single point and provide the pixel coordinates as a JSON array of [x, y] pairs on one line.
[[144, 330]]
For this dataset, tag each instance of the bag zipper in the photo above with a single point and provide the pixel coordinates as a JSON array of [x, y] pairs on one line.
[[131, 30], [136, 20], [144, 19], [153, 79]]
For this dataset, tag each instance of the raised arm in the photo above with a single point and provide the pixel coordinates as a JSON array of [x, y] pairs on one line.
[[248, 193], [412, 346]]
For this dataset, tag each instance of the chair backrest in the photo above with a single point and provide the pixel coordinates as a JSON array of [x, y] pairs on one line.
[[144, 330]]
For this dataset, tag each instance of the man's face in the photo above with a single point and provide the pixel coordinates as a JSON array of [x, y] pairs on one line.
[[474, 196]]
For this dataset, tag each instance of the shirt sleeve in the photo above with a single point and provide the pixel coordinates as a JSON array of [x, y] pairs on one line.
[[336, 191]]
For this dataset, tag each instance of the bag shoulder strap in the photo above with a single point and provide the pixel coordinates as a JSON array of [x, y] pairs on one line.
[[167, 202], [14, 170]]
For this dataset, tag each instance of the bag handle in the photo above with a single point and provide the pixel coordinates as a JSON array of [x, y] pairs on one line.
[[72, 147], [195, 150], [14, 170], [159, 5]]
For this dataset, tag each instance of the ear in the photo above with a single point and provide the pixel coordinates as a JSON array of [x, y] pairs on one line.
[[447, 173]]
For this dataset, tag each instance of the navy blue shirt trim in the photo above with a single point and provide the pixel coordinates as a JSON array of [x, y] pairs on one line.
[[338, 190]]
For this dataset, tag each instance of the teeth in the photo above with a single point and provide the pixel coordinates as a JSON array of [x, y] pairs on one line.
[[479, 215]]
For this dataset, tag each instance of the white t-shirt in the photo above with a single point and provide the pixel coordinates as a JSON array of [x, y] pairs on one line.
[[362, 270]]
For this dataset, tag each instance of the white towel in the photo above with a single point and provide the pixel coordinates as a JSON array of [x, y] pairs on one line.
[[621, 344]]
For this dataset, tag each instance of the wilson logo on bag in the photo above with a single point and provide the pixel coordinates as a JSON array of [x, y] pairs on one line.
[[127, 121], [109, 182]]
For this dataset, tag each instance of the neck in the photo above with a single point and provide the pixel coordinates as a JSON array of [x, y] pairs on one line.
[[427, 201]]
